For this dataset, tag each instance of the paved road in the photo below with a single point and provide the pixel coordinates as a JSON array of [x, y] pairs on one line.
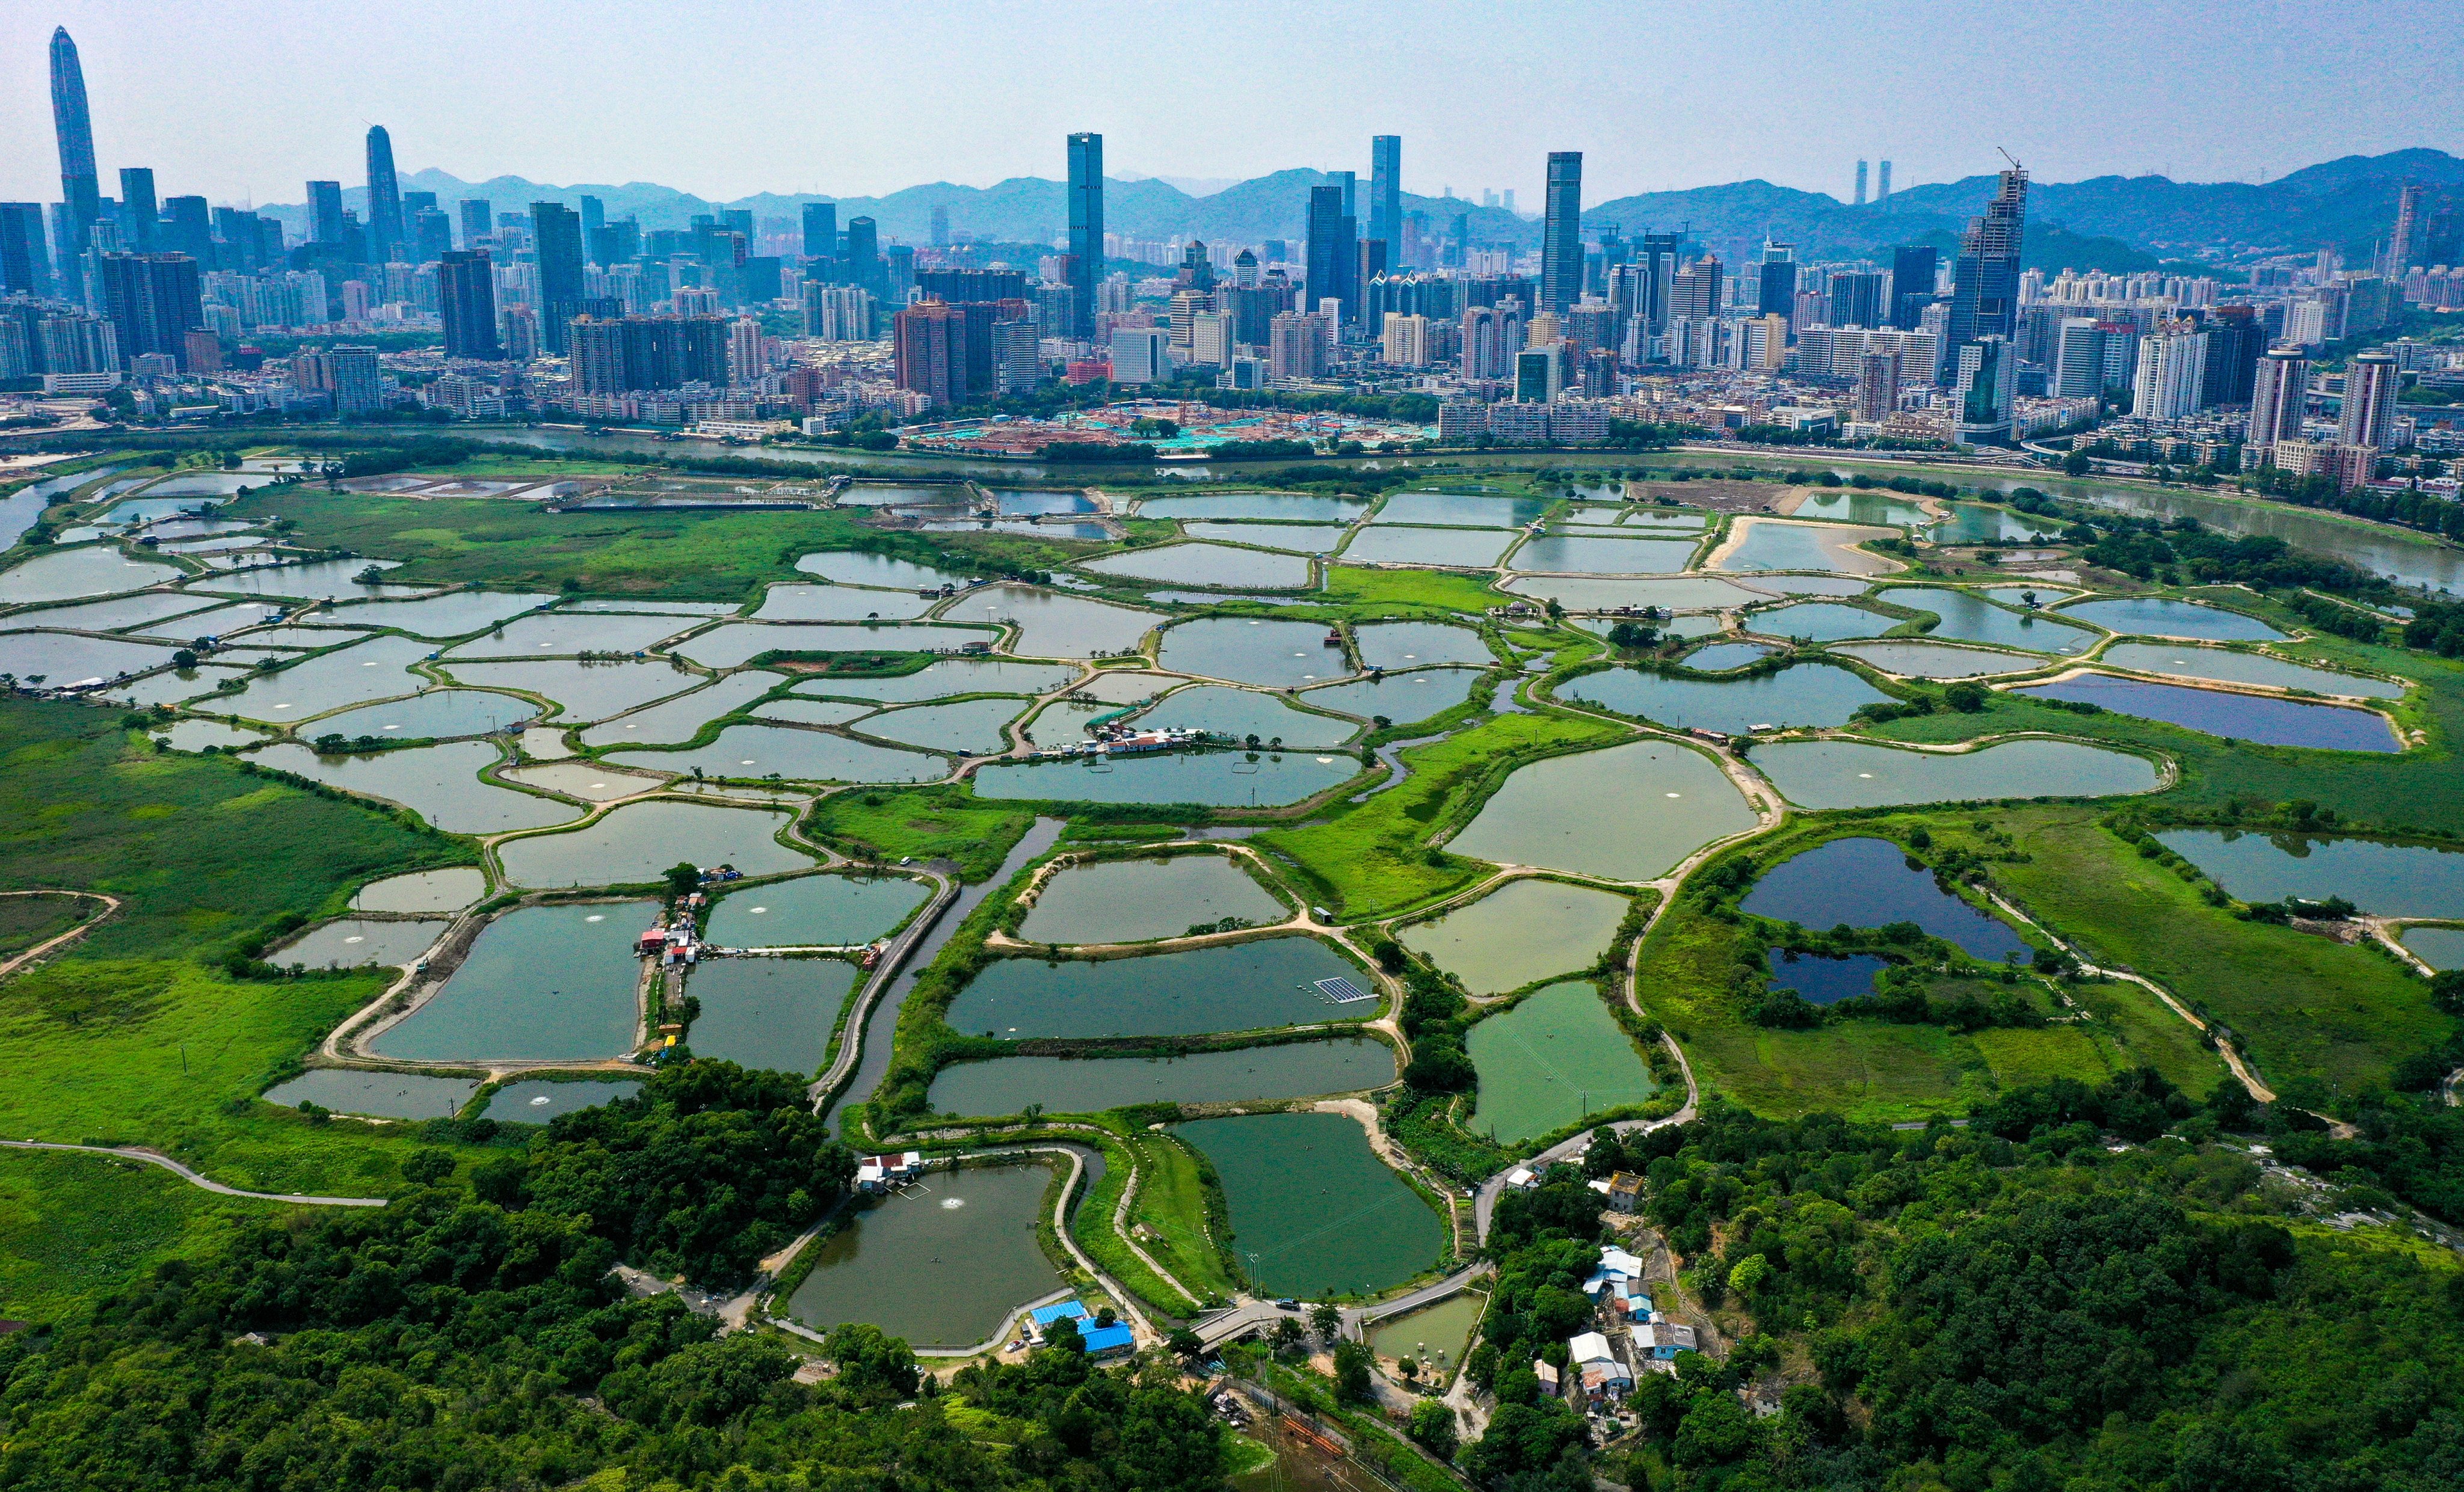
[[149, 1158]]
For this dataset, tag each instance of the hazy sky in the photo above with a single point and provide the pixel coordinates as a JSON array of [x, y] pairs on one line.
[[243, 100]]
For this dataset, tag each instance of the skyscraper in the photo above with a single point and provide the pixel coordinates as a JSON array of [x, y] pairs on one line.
[[1883, 181], [80, 190], [326, 212], [2369, 416], [384, 199], [2400, 243], [138, 210], [153, 302], [1386, 193], [822, 234], [1912, 269], [594, 217], [863, 265], [1776, 276], [1331, 256], [557, 230], [479, 220], [2280, 387], [1085, 229], [466, 295], [1985, 278], [1860, 199], [187, 227], [1561, 233], [25, 265]]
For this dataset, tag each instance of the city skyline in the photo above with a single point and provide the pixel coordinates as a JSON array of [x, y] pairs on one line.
[[866, 129]]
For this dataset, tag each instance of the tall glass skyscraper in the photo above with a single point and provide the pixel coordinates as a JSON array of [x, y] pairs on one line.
[[557, 230], [1085, 229], [1984, 278], [1333, 252], [1561, 233], [384, 199], [80, 190], [1386, 193]]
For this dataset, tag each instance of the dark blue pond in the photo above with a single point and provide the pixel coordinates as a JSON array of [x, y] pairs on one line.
[[1826, 978], [2243, 717], [1866, 882]]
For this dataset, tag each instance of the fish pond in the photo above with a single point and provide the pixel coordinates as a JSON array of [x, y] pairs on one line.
[[450, 889], [2227, 666], [1314, 1213], [540, 985], [65, 657], [1051, 626], [1590, 555], [1524, 931], [2263, 718], [1463, 549], [1461, 509], [1247, 651], [1776, 545], [1821, 621], [1402, 697], [1130, 901], [1850, 506], [1305, 539], [74, 574], [1625, 813], [1197, 563], [812, 912], [1271, 507], [1854, 774], [539, 1099], [440, 714], [1677, 593], [583, 690], [943, 679], [733, 643], [2156, 617], [571, 632], [969, 727], [2385, 880], [2440, 948], [382, 1095], [371, 670], [1241, 715], [1212, 778], [449, 615], [1419, 644], [638, 842], [1825, 979], [681, 718], [1248, 986], [439, 784], [1558, 1056], [1868, 883], [1091, 1084], [1803, 693], [794, 753], [1721, 657], [940, 1264], [1972, 619], [795, 602], [1936, 660], [850, 567], [1433, 1336], [352, 941], [774, 1014]]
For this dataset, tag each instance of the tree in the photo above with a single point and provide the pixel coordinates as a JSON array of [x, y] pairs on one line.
[[1326, 1317], [1433, 1425], [1351, 1382], [1290, 1336], [427, 1166], [1185, 1342], [874, 1366], [2077, 464], [1965, 697], [683, 878]]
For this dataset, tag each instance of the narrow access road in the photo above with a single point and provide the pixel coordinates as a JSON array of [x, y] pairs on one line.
[[155, 1159], [110, 905]]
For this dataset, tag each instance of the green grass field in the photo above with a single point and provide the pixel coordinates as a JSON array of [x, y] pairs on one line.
[[1172, 1204], [2306, 1007], [1403, 592], [28, 920], [1369, 857], [135, 1035], [1878, 1070], [928, 822], [73, 1224]]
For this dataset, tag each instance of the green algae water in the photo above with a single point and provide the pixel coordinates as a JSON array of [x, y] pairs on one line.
[[1315, 1212]]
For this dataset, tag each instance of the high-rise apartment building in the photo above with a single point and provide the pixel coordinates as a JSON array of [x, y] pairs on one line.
[[2402, 239], [387, 238], [557, 230], [466, 293], [2172, 374], [1984, 379], [1386, 194], [1984, 278], [1296, 343], [1561, 232], [1085, 229], [1694, 290], [81, 184], [1141, 355], [153, 302], [1878, 385], [1406, 342], [2368, 417], [2280, 395], [930, 342], [1018, 363], [1856, 299], [2234, 341]]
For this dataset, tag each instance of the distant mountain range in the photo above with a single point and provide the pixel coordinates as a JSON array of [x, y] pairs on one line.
[[2107, 222]]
